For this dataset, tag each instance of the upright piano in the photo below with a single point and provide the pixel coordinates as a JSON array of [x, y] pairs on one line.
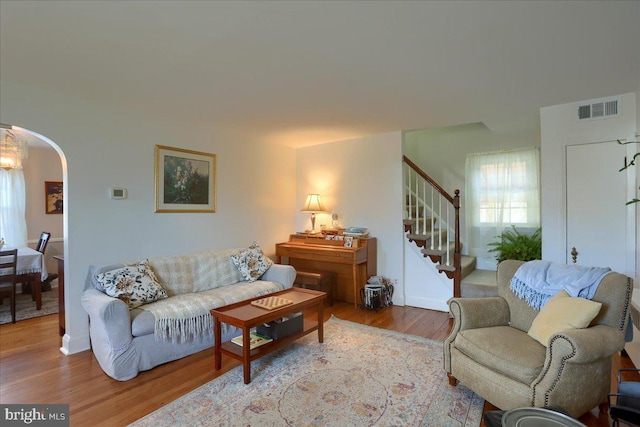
[[352, 265]]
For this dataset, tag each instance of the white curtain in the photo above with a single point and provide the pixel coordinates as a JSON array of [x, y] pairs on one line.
[[13, 223], [502, 188]]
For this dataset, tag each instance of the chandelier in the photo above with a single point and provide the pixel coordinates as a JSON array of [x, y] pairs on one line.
[[12, 150]]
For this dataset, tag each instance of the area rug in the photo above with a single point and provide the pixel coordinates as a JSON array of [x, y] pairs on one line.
[[360, 376], [26, 308]]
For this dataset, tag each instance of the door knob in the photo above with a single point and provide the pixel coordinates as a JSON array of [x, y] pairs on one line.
[[574, 254]]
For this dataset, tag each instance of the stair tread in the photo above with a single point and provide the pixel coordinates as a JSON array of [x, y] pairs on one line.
[[425, 236], [467, 264], [467, 260], [481, 278], [443, 251], [479, 284]]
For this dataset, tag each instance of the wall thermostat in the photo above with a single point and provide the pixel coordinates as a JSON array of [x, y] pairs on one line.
[[118, 193]]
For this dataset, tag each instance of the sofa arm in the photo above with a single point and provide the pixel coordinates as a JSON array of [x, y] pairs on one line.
[[577, 368], [109, 319], [472, 313], [284, 274], [585, 345]]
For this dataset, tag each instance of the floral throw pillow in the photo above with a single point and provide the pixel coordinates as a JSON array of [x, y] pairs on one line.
[[134, 284], [251, 262]]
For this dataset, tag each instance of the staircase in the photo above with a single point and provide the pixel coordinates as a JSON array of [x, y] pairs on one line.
[[433, 223], [433, 218]]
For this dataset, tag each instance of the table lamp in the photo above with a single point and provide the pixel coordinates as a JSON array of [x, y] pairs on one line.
[[313, 205]]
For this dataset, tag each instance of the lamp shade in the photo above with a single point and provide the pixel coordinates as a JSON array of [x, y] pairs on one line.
[[312, 204]]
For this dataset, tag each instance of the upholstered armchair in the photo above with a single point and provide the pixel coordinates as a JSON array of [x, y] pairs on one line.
[[490, 352]]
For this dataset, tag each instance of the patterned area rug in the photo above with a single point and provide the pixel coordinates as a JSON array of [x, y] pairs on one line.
[[360, 376], [26, 308]]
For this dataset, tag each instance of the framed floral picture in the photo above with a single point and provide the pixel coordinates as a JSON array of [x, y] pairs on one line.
[[53, 197], [185, 180]]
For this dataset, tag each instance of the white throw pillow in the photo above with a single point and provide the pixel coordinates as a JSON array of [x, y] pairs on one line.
[[135, 284], [251, 263]]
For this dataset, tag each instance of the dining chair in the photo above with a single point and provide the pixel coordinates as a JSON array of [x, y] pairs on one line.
[[8, 265], [42, 243], [42, 247]]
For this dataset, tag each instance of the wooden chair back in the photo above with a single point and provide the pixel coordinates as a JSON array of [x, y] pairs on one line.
[[8, 267], [42, 243]]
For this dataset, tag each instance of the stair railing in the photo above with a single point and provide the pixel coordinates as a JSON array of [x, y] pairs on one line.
[[426, 196]]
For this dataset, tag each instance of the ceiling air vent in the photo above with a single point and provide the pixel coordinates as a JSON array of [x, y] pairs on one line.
[[598, 109]]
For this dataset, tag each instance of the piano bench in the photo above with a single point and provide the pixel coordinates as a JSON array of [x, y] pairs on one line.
[[317, 280]]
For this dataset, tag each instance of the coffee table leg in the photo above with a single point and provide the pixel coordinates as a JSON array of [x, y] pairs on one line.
[[217, 343], [246, 353], [321, 322]]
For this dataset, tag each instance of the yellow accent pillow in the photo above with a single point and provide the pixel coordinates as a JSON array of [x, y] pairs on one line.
[[560, 313]]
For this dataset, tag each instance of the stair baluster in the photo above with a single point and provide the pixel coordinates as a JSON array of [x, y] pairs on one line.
[[433, 218]]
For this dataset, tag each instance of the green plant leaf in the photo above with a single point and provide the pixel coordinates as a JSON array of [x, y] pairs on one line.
[[512, 244]]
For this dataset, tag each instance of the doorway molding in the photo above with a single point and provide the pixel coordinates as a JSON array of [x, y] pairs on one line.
[[65, 216]]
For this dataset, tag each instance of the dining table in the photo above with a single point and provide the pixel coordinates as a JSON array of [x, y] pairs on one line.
[[31, 268]]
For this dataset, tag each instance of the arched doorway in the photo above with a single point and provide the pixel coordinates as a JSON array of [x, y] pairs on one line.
[[45, 165]]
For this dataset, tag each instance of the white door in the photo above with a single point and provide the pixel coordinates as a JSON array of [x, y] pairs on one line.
[[596, 206]]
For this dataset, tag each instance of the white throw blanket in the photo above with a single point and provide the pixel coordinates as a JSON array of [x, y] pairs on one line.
[[188, 279], [537, 281], [187, 317], [184, 318]]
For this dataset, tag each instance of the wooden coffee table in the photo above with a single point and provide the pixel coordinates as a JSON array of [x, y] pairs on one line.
[[246, 316]]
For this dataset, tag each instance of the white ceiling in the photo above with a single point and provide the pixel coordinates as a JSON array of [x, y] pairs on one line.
[[302, 73]]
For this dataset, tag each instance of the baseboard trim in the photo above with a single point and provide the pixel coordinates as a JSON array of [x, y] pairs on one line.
[[71, 346], [427, 303]]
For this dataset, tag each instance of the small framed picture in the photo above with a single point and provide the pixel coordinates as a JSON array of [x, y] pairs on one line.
[[53, 197], [334, 237], [348, 241], [185, 180]]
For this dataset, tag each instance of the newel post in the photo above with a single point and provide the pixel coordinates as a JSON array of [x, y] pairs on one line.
[[457, 256]]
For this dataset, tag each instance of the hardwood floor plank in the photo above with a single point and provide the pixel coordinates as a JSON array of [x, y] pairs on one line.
[[32, 369]]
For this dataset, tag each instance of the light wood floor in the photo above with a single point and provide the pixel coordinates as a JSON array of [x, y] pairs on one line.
[[32, 369]]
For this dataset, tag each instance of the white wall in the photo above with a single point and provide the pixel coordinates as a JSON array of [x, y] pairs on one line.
[[559, 128], [360, 180], [633, 347], [104, 147], [637, 138], [425, 286], [43, 164]]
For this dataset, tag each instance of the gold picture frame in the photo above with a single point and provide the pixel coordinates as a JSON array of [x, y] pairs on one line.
[[185, 180], [53, 197]]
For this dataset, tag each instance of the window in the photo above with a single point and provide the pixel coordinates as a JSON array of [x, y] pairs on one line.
[[13, 224], [502, 188], [494, 178]]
